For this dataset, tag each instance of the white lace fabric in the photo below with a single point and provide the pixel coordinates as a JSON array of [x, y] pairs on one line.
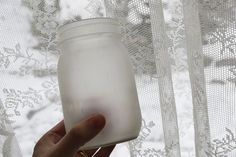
[[183, 53]]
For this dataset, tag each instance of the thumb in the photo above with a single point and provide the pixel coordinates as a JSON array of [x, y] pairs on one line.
[[78, 136]]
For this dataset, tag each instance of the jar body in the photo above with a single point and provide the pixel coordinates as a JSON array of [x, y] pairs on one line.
[[95, 76]]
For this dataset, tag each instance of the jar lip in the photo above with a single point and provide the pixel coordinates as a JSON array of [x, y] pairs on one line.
[[82, 38], [89, 21], [88, 27]]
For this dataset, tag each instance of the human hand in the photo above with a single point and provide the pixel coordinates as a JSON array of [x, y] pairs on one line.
[[56, 143]]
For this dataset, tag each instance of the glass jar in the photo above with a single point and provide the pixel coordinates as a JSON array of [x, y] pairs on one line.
[[95, 76]]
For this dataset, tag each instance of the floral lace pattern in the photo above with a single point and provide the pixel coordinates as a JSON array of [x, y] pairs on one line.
[[224, 146], [136, 145], [196, 70], [45, 23], [10, 56]]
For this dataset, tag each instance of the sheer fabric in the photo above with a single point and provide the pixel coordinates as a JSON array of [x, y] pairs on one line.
[[183, 53]]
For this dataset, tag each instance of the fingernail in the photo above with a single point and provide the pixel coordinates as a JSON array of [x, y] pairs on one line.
[[97, 121]]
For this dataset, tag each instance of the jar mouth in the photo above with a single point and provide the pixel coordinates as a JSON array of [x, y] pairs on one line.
[[89, 21], [88, 27]]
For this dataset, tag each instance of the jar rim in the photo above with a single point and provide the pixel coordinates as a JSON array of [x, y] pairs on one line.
[[88, 27], [89, 21]]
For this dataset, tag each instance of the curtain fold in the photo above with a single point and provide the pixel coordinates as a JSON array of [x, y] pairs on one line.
[[197, 76], [163, 63]]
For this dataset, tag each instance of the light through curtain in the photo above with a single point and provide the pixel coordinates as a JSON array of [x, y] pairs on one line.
[[183, 53]]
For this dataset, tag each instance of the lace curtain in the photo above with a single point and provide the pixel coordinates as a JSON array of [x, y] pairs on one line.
[[183, 53]]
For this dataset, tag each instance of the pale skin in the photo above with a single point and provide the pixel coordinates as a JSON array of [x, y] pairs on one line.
[[56, 143]]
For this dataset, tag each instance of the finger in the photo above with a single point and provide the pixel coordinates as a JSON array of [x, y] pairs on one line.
[[56, 133], [79, 135], [105, 151], [53, 135], [59, 128], [48, 140]]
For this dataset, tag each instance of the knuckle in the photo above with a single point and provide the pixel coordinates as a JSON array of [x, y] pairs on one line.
[[41, 142], [54, 137], [38, 144]]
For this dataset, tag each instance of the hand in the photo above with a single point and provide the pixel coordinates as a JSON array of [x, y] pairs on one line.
[[56, 143]]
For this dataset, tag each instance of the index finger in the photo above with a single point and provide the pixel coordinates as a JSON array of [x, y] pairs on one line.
[[81, 133], [59, 129]]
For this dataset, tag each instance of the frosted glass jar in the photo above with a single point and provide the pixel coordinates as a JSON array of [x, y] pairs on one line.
[[95, 76]]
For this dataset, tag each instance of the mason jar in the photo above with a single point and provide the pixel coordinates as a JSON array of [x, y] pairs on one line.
[[95, 76]]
